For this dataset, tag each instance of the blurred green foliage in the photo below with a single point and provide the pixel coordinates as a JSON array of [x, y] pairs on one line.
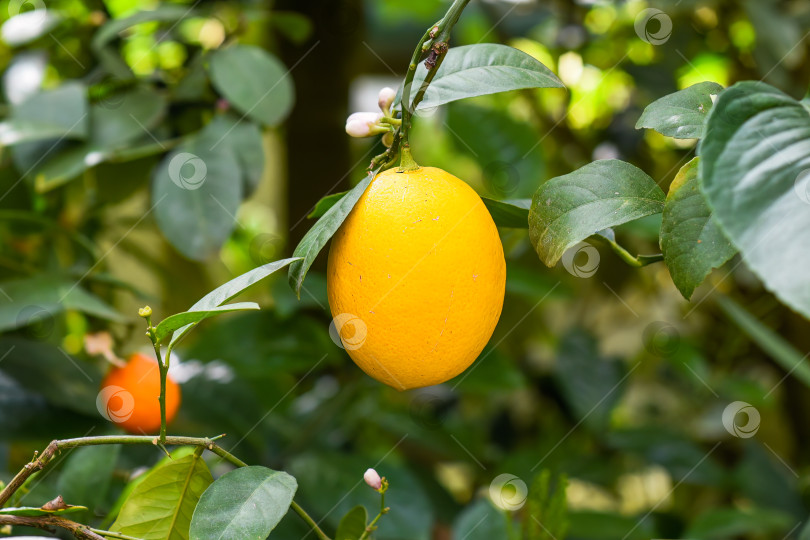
[[611, 380]]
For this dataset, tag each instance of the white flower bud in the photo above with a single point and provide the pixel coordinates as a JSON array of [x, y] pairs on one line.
[[361, 124], [373, 479], [386, 98]]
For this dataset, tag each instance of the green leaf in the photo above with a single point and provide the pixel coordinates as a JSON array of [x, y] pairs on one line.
[[691, 241], [244, 139], [683, 114], [567, 209], [245, 503], [755, 173], [50, 372], [481, 69], [179, 320], [320, 233], [225, 292], [161, 506], [514, 213], [547, 505], [112, 127], [58, 113], [353, 524], [254, 81], [777, 347], [507, 149], [325, 204], [480, 521], [592, 385], [86, 475], [604, 526], [25, 27], [33, 511], [195, 197], [38, 299], [731, 522]]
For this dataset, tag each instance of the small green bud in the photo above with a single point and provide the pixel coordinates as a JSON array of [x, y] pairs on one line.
[[145, 311]]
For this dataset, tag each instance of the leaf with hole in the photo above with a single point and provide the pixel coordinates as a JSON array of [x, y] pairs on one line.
[[246, 503], [755, 173], [569, 208], [683, 114], [691, 241]]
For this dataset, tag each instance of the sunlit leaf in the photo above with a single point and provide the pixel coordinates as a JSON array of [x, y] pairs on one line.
[[691, 241], [161, 506], [681, 115]]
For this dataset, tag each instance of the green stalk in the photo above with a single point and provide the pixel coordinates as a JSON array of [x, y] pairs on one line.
[[434, 40]]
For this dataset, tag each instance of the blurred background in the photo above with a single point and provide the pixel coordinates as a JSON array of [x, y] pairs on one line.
[[597, 371]]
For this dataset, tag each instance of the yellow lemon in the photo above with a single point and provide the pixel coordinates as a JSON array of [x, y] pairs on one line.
[[416, 278]]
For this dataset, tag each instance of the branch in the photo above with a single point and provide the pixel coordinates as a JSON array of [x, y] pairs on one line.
[[83, 532]]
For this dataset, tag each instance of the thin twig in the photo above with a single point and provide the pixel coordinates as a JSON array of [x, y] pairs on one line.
[[49, 523]]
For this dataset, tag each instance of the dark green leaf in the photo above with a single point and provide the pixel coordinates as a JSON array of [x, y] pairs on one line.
[[47, 370], [567, 209], [592, 385], [514, 213], [195, 197], [777, 347], [254, 81], [604, 526], [179, 320], [245, 503], [244, 139], [480, 521], [353, 524], [481, 69], [729, 523], [160, 507], [325, 204], [690, 239], [86, 475], [36, 300], [683, 114], [320, 233], [58, 113], [755, 173], [225, 292], [295, 27]]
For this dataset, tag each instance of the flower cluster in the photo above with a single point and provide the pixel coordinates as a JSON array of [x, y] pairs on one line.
[[367, 124]]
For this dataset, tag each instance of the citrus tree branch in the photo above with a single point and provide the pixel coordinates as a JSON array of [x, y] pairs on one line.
[[41, 460], [49, 523], [434, 43]]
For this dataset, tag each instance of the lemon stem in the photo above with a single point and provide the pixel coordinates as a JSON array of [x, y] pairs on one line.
[[433, 45], [163, 367]]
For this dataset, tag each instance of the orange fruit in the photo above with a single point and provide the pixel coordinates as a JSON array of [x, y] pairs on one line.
[[416, 278], [129, 395]]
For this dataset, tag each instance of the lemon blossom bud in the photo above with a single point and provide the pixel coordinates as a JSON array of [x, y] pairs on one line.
[[386, 98], [373, 479], [388, 139], [362, 124]]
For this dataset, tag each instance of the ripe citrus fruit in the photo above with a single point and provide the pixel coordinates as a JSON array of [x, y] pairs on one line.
[[416, 278], [129, 395]]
